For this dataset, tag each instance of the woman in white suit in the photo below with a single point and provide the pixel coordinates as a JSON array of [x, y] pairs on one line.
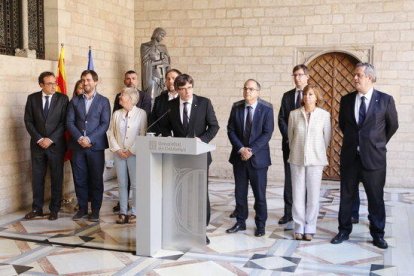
[[126, 124], [309, 133]]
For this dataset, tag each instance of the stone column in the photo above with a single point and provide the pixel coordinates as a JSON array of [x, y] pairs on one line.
[[25, 52]]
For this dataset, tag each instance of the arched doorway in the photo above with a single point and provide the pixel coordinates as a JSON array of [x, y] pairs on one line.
[[333, 73]]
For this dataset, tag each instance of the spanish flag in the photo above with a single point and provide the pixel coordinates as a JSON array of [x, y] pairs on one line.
[[61, 74], [61, 87]]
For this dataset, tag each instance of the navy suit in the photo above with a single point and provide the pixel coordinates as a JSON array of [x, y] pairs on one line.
[[369, 163], [203, 124], [287, 105], [89, 162], [254, 169], [52, 127]]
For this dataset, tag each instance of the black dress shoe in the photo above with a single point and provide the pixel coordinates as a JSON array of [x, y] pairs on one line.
[[33, 213], [79, 215], [236, 228], [53, 216], [380, 243], [207, 240], [259, 232], [285, 219], [354, 220], [340, 237], [94, 216], [234, 214]]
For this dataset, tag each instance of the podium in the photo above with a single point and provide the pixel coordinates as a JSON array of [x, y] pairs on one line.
[[171, 193]]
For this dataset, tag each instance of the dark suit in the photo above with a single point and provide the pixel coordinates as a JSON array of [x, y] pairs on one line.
[[89, 162], [254, 169], [144, 102], [159, 109], [52, 127], [203, 124], [369, 164], [287, 105]]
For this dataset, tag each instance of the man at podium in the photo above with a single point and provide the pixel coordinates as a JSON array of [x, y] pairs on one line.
[[191, 116]]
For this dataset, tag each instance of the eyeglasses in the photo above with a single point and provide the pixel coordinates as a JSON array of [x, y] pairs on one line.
[[298, 75], [249, 89], [185, 88], [50, 83]]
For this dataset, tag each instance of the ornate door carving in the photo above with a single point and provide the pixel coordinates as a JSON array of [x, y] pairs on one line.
[[332, 72]]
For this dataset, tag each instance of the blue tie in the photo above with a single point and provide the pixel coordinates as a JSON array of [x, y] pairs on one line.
[[248, 126], [185, 117], [46, 107], [362, 111]]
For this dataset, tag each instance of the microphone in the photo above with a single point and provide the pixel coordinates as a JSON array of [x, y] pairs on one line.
[[159, 118]]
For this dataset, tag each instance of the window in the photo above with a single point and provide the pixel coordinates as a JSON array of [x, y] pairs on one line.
[[11, 22]]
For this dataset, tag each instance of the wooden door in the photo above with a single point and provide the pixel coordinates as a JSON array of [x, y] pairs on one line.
[[333, 73]]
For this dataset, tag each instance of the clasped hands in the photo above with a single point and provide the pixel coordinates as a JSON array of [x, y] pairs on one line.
[[84, 142], [123, 154], [245, 153], [44, 143]]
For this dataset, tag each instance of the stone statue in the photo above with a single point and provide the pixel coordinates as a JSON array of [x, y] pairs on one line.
[[155, 62]]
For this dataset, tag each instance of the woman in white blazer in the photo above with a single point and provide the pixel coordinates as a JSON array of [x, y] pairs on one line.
[[126, 124], [309, 133]]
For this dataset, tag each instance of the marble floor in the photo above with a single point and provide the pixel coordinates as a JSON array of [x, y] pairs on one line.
[[65, 247]]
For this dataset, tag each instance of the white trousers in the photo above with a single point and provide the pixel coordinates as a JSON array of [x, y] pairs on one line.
[[306, 184]]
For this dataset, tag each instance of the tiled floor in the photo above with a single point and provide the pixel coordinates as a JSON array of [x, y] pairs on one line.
[[41, 247]]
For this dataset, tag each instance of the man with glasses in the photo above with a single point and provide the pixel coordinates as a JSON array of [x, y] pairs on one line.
[[191, 116], [44, 117], [250, 127], [368, 119], [290, 101]]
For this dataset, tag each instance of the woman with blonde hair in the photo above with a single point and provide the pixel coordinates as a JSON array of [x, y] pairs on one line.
[[126, 124], [309, 133]]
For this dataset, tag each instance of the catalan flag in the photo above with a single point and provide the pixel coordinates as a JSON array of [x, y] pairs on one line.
[[61, 73]]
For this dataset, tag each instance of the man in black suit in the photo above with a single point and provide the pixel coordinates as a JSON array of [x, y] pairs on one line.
[[44, 117], [144, 102], [191, 116], [368, 119], [250, 129], [87, 120], [290, 101], [161, 102]]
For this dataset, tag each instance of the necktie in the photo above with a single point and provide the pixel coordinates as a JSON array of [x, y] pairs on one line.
[[298, 99], [248, 126], [46, 107], [362, 111], [185, 117]]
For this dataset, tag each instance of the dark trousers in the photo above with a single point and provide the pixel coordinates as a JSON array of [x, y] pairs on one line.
[[373, 181], [88, 168], [287, 191], [355, 206], [53, 159], [243, 172]]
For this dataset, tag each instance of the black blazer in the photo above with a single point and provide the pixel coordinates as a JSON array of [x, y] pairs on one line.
[[144, 102], [287, 105], [53, 127], [381, 122], [261, 133], [203, 122], [159, 108]]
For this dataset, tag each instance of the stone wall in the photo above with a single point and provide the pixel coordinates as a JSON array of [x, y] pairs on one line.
[[108, 27], [222, 43]]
